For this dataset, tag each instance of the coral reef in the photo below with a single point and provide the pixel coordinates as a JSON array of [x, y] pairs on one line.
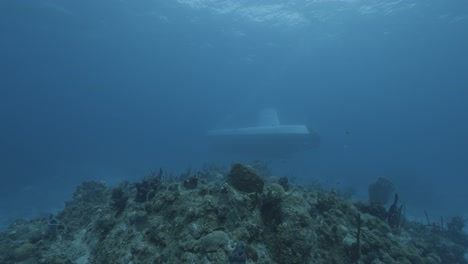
[[216, 218]]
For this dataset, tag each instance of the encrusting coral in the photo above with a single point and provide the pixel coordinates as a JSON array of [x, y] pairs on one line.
[[196, 220]]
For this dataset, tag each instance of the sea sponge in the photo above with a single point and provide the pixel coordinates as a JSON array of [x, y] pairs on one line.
[[381, 191], [245, 178]]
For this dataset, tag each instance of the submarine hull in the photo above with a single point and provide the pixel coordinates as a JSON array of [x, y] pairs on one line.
[[272, 141]]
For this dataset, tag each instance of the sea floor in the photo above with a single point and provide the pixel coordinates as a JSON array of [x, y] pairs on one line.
[[242, 215]]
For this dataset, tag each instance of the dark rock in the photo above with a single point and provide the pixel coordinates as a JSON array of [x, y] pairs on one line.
[[251, 253], [90, 192], [52, 227], [119, 199], [222, 213], [374, 209], [138, 218], [146, 189], [456, 224], [191, 182], [238, 256], [272, 215], [284, 182]]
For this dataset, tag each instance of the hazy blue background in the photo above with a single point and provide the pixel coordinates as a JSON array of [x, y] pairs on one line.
[[110, 90]]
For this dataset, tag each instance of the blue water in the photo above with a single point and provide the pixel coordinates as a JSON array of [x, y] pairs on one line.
[[111, 90]]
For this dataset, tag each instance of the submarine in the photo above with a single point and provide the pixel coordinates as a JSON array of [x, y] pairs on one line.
[[268, 138]]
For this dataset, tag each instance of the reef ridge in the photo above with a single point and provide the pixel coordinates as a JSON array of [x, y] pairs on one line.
[[211, 217]]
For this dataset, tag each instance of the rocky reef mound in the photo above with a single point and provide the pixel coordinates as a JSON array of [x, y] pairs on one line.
[[214, 216]]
